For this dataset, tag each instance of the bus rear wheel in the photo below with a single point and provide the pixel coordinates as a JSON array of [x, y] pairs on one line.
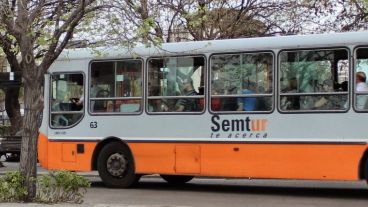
[[115, 166], [177, 179]]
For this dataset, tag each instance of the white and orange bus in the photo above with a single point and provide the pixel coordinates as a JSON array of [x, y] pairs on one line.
[[289, 107]]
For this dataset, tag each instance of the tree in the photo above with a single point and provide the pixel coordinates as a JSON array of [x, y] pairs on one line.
[[185, 20], [33, 33], [157, 21], [327, 16]]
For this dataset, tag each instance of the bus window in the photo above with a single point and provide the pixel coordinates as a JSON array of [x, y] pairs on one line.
[[66, 99], [176, 84], [314, 80], [241, 82], [116, 87], [361, 72]]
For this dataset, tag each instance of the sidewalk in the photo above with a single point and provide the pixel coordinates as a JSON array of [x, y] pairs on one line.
[[92, 176], [78, 205]]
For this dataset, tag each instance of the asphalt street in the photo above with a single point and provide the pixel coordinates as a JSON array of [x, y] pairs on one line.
[[233, 192]]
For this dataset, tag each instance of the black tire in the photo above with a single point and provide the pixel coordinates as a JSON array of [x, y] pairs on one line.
[[115, 165], [177, 179], [13, 157]]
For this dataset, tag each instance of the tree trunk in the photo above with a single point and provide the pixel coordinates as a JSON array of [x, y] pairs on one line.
[[33, 105], [12, 107]]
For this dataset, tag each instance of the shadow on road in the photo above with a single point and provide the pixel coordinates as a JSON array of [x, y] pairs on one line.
[[318, 192]]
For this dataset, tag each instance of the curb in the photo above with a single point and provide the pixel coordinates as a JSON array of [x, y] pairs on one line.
[[84, 174], [91, 174]]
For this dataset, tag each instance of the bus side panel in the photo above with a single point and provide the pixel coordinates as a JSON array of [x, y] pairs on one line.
[[169, 158], [64, 155], [42, 150], [154, 158], [289, 161]]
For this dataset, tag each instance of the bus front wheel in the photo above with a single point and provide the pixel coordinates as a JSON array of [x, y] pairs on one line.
[[177, 179], [115, 166]]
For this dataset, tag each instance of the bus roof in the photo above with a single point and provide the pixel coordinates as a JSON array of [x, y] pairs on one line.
[[221, 46]]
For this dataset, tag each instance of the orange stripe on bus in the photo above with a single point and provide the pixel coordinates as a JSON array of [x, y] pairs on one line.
[[288, 161], [42, 150], [64, 155]]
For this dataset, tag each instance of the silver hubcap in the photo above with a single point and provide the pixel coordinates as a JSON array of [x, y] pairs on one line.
[[117, 164]]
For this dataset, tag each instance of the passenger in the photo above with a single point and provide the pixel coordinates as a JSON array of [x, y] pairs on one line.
[[216, 101], [231, 103], [331, 101], [343, 86], [78, 101], [247, 103], [188, 104], [156, 105], [263, 103], [291, 102], [360, 82], [96, 91], [361, 86]]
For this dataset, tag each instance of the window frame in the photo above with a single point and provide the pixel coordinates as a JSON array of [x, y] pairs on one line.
[[204, 96], [279, 94], [354, 92], [50, 97], [141, 98], [272, 95]]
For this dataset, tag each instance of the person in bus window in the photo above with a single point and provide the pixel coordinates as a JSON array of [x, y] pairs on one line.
[[188, 104], [216, 101], [78, 102], [247, 103], [328, 102], [156, 105], [96, 91], [361, 86], [291, 102], [343, 86], [229, 103]]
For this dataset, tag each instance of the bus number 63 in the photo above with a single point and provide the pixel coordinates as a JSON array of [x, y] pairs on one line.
[[93, 124]]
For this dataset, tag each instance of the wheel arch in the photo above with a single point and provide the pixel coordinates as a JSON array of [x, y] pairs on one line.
[[103, 143], [363, 166]]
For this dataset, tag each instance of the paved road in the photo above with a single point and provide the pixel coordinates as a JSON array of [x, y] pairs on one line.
[[154, 192], [222, 192]]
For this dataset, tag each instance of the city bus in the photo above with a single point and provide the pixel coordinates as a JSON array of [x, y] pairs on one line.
[[283, 107]]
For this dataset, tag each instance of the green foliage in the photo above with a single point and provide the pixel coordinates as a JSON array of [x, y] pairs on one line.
[[58, 186], [144, 30], [61, 186], [198, 17], [11, 187], [4, 129], [366, 9]]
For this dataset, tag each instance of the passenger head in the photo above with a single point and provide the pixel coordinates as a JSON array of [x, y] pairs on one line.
[[216, 87], [328, 85], [360, 77], [344, 86], [154, 90], [187, 84], [249, 85], [293, 83]]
